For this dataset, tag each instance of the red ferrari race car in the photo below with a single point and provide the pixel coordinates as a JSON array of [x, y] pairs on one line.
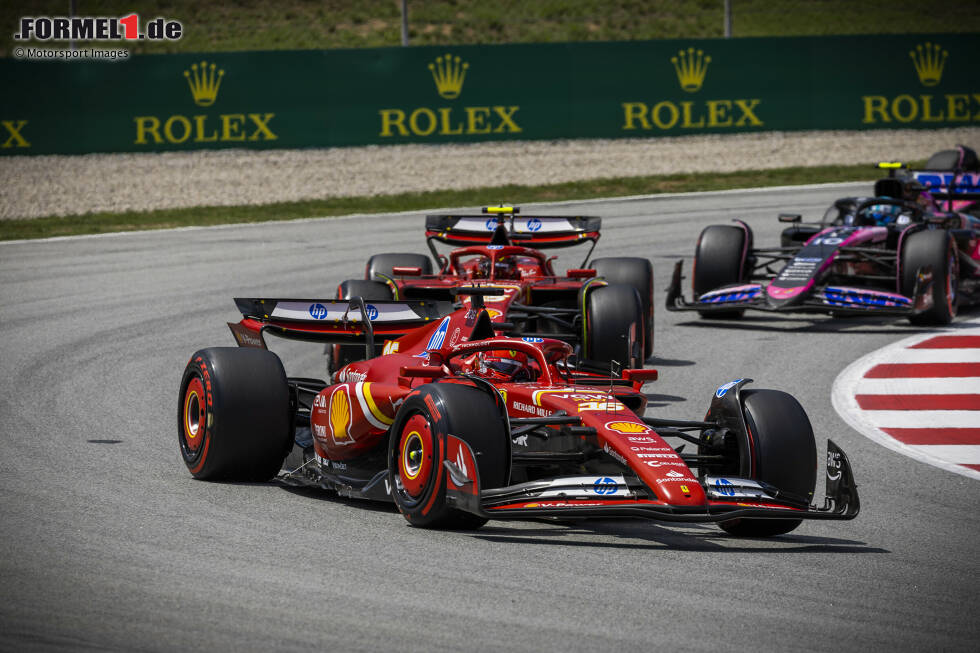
[[457, 425], [592, 308], [903, 252]]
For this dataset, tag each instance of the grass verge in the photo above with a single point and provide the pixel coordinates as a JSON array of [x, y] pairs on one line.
[[96, 223]]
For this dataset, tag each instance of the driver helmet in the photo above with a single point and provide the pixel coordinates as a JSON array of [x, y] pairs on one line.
[[506, 268], [504, 365], [880, 214]]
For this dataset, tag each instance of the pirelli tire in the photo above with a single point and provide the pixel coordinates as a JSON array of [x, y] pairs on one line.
[[934, 248], [637, 272], [780, 450], [382, 264], [233, 414], [718, 261], [341, 355], [614, 326], [417, 446]]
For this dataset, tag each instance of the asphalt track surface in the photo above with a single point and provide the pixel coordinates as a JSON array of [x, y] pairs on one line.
[[109, 544]]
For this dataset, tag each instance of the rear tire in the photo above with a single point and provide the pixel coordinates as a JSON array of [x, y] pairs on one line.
[[341, 355], [718, 262], [383, 263], [937, 248], [233, 420], [417, 444], [613, 326], [781, 451], [636, 272]]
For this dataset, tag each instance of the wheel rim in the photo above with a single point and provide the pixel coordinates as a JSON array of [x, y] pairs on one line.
[[415, 456], [194, 417]]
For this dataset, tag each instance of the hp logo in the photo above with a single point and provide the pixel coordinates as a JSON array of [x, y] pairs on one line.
[[318, 311]]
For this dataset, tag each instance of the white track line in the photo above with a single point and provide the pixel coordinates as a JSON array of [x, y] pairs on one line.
[[923, 419], [938, 356], [949, 386]]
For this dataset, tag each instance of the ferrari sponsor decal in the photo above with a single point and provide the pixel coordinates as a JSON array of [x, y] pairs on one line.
[[340, 415], [351, 376], [335, 311], [664, 463], [566, 504], [657, 455], [493, 313], [676, 477], [612, 452], [533, 410], [643, 439], [605, 486], [439, 335], [724, 487], [602, 406], [391, 347], [627, 427], [579, 395], [454, 338]]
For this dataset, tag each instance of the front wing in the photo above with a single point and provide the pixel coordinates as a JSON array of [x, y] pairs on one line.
[[734, 499], [839, 300]]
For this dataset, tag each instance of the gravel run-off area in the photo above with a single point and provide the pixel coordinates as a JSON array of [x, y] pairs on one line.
[[35, 186]]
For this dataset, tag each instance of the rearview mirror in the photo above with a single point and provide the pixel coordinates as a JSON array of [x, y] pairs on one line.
[[790, 217]]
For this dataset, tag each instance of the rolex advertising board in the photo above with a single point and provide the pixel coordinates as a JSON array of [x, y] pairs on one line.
[[323, 98]]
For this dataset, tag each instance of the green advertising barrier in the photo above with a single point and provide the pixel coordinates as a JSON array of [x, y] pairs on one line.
[[323, 98]]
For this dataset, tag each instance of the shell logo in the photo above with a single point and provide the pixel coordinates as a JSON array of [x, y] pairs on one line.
[[630, 428], [493, 313], [340, 415]]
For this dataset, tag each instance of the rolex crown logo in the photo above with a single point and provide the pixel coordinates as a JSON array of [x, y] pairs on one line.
[[449, 73], [691, 67], [204, 83], [929, 61]]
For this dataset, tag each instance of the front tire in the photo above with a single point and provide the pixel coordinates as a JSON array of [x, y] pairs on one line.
[[417, 445], [936, 248], [780, 450], [233, 418], [718, 262], [636, 272], [614, 326]]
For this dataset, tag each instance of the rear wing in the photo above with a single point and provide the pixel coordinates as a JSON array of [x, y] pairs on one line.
[[538, 231], [345, 321], [951, 175]]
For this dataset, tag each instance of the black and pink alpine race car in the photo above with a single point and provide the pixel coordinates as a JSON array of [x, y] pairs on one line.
[[903, 252]]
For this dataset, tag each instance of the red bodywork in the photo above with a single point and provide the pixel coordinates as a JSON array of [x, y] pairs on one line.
[[351, 417], [519, 271]]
